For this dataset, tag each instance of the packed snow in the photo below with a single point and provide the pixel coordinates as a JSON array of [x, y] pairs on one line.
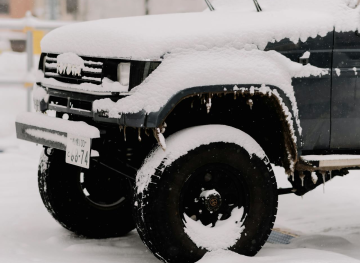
[[70, 63], [338, 72], [306, 55], [186, 140], [47, 136], [207, 193], [153, 36], [105, 88], [328, 224], [43, 121], [222, 236], [39, 94]]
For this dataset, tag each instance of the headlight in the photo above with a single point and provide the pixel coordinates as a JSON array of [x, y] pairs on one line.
[[123, 73]]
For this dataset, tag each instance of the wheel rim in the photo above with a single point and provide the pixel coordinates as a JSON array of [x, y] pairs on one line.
[[212, 192], [102, 187]]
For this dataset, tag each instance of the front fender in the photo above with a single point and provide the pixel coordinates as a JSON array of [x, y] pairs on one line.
[[285, 110]]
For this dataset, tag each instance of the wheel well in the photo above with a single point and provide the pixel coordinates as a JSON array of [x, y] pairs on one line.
[[264, 120]]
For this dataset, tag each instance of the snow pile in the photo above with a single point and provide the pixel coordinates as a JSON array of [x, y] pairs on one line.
[[154, 36], [222, 236], [186, 69], [186, 140]]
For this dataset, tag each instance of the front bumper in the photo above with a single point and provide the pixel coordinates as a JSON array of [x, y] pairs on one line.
[[80, 104], [51, 132]]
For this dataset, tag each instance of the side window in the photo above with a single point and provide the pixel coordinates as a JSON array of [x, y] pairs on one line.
[[320, 49], [346, 50]]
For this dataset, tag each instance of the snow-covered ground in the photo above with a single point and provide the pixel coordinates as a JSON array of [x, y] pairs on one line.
[[13, 67], [328, 223]]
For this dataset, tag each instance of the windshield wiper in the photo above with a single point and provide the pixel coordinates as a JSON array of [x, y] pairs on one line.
[[210, 5], [258, 8]]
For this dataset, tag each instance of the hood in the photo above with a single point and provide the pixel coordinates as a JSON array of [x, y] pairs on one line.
[[150, 37]]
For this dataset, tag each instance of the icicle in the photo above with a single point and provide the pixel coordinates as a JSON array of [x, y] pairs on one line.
[[252, 90], [147, 133], [120, 128], [160, 138], [330, 175], [208, 105], [314, 178], [250, 103], [139, 134], [163, 128], [302, 176], [323, 177], [124, 133], [235, 95]]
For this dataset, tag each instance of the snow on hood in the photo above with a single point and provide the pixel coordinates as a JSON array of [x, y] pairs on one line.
[[196, 68], [154, 36]]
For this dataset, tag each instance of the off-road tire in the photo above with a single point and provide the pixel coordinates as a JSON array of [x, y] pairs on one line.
[[62, 195], [157, 213]]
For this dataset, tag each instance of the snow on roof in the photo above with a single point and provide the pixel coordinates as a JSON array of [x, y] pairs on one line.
[[232, 25]]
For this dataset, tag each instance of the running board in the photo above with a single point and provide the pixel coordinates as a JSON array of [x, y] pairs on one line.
[[332, 161]]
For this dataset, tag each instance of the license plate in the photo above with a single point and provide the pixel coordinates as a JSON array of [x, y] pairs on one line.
[[78, 151]]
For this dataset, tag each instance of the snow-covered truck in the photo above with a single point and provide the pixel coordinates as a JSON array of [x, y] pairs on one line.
[[170, 123]]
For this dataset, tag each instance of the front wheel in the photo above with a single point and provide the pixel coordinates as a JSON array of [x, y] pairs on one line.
[[95, 202], [205, 194]]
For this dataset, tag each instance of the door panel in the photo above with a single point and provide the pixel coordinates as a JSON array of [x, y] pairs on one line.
[[312, 93], [345, 103]]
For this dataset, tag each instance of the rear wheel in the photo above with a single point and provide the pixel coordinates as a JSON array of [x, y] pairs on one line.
[[216, 196], [95, 202]]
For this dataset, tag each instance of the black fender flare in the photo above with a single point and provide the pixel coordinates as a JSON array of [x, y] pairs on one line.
[[293, 137]]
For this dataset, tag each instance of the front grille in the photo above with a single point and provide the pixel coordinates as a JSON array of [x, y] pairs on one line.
[[96, 69], [91, 73]]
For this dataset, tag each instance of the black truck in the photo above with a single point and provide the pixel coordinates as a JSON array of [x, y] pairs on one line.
[[204, 154]]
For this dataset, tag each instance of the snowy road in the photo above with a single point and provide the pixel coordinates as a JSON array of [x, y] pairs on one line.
[[328, 223]]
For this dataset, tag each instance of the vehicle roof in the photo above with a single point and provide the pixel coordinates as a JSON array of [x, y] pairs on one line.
[[154, 36]]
